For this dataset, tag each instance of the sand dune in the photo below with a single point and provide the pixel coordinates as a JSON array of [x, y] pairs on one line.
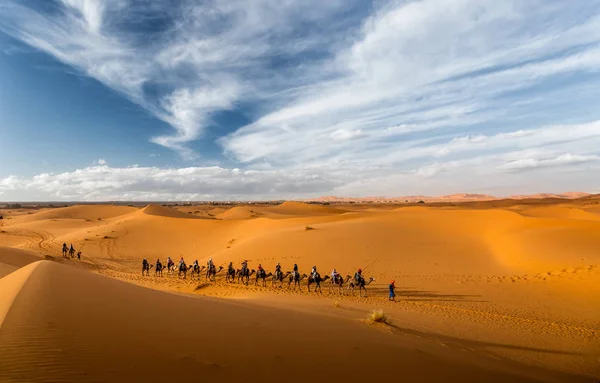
[[526, 272], [561, 212], [84, 212], [163, 211], [90, 328], [13, 259], [284, 210]]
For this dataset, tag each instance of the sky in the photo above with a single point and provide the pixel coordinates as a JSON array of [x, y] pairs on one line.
[[254, 99]]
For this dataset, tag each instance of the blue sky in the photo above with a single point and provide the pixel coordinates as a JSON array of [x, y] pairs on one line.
[[254, 99]]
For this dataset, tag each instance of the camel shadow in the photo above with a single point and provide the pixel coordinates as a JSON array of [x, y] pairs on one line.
[[473, 344], [201, 286]]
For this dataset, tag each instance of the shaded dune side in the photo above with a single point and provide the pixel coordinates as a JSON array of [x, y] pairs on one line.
[[11, 285], [13, 259], [78, 327]]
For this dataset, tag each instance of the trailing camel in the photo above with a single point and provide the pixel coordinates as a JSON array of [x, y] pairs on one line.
[[211, 273], [360, 284], [339, 282], [279, 276], [317, 281], [262, 274], [244, 274], [296, 278], [195, 269]]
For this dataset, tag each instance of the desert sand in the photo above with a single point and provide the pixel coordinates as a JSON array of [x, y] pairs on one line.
[[494, 291]]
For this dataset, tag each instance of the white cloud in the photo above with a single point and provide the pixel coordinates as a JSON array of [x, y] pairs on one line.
[[415, 91], [562, 160]]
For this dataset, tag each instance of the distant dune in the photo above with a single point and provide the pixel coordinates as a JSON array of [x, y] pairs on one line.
[[163, 211], [447, 198]]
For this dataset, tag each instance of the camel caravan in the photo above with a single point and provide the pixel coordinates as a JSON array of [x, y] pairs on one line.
[[337, 282], [70, 251]]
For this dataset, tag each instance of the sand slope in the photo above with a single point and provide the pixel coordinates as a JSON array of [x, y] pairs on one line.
[[84, 212], [523, 272], [75, 326], [13, 259]]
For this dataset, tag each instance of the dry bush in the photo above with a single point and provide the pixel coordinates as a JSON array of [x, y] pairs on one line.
[[377, 316], [309, 228], [336, 304]]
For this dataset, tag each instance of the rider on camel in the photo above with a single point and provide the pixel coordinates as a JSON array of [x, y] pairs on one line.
[[334, 274], [145, 263], [195, 263], [158, 264], [260, 269], [278, 269], [314, 272], [245, 265], [211, 265], [358, 276], [295, 273]]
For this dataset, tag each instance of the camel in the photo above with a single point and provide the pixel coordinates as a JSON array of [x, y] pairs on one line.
[[182, 270], [317, 281], [262, 274], [360, 284], [296, 278], [211, 273], [245, 274], [196, 269], [146, 268], [339, 281], [279, 276], [158, 270], [71, 252], [170, 267], [230, 276]]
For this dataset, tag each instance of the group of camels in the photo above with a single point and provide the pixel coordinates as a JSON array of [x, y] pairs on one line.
[[70, 251], [243, 275]]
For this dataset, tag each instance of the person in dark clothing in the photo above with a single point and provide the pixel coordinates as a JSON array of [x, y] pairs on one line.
[[392, 287]]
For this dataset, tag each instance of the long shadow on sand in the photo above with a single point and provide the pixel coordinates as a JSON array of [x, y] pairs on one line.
[[422, 295], [472, 344]]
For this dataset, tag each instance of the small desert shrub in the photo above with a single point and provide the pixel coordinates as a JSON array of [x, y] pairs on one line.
[[336, 304], [106, 237], [309, 228], [421, 202], [377, 316]]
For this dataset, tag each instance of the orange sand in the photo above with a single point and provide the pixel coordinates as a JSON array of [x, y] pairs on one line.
[[485, 291]]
